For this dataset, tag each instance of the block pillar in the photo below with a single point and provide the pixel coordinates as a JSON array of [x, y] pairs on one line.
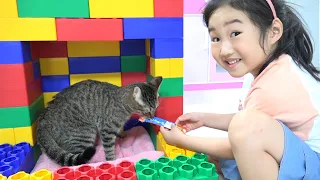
[[165, 58], [21, 97]]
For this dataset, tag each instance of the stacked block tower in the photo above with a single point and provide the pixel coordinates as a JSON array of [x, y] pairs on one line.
[[46, 46]]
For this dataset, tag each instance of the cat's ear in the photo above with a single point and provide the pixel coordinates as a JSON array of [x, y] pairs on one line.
[[156, 81], [137, 95]]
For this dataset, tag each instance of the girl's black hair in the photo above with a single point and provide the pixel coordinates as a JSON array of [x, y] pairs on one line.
[[295, 40]]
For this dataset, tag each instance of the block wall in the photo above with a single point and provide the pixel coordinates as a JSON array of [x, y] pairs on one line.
[[46, 46]]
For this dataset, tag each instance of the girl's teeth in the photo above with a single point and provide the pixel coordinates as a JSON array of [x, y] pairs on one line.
[[235, 61]]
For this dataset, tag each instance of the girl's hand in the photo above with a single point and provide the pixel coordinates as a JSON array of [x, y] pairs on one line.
[[174, 136], [190, 121]]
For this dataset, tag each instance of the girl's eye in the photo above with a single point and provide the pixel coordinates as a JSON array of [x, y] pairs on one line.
[[235, 34], [215, 39]]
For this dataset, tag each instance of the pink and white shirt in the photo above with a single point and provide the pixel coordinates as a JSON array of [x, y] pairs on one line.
[[291, 95]]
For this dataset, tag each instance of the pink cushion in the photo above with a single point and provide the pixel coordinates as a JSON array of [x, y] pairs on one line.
[[136, 145]]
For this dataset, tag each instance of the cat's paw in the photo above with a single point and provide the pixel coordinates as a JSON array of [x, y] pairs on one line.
[[110, 158], [123, 134]]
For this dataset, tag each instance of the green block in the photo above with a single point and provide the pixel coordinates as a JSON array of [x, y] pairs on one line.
[[53, 8], [21, 116], [181, 168], [152, 135], [170, 87], [133, 64]]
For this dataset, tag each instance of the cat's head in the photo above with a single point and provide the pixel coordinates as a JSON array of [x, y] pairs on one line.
[[145, 96]]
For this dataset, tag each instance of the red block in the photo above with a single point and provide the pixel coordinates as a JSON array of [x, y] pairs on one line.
[[48, 49], [148, 65], [168, 8], [89, 29], [132, 77], [170, 108], [22, 96], [15, 76]]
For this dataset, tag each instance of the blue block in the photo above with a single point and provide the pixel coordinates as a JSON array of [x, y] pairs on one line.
[[36, 69], [17, 158], [88, 65], [15, 52], [166, 48], [133, 47], [55, 83], [152, 28]]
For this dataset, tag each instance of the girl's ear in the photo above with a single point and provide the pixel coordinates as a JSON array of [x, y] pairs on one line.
[[275, 31]]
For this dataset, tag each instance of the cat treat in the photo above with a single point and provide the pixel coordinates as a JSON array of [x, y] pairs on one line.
[[161, 122]]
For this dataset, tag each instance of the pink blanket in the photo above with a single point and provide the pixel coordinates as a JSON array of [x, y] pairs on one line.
[[136, 145]]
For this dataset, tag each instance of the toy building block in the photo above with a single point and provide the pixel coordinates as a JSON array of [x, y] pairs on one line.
[[167, 68], [168, 8], [21, 116], [26, 134], [54, 66], [90, 65], [3, 177], [153, 28], [113, 78], [8, 9], [53, 8], [170, 87], [42, 174], [181, 168], [28, 29], [36, 69], [48, 96], [170, 108], [121, 9], [133, 63], [15, 158], [124, 170], [148, 53], [14, 52], [18, 87], [55, 83], [7, 136], [133, 47], [89, 29], [93, 48], [48, 49], [132, 77], [166, 48]]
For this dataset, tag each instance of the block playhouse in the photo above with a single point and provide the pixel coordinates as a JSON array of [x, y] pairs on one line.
[[48, 45]]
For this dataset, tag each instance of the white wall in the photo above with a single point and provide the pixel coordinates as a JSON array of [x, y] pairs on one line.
[[309, 10]]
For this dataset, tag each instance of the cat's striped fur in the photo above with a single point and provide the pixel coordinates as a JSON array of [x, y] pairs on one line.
[[68, 127]]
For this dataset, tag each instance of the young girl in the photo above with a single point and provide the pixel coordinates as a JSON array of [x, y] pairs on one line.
[[277, 134]]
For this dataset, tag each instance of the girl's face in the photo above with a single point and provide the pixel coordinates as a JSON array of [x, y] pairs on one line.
[[236, 42]]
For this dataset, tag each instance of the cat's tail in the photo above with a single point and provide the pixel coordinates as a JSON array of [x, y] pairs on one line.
[[61, 156]]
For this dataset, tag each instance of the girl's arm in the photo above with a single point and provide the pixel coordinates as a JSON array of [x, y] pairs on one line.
[[216, 147], [217, 121]]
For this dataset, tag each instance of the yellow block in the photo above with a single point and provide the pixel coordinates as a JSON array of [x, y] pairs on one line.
[[190, 153], [2, 177], [113, 78], [176, 67], [54, 66], [42, 174], [20, 176], [167, 68], [93, 48], [48, 96], [8, 9], [121, 8], [26, 134], [148, 47], [27, 29], [7, 136]]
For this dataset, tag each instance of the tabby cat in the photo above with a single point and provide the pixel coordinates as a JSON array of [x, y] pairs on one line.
[[68, 128]]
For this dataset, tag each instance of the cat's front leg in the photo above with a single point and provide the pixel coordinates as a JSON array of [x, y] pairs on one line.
[[108, 137]]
